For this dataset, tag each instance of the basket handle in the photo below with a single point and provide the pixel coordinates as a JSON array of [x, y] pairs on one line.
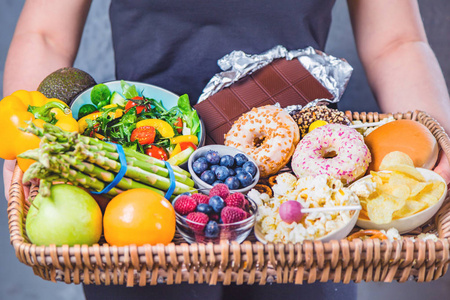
[[437, 130]]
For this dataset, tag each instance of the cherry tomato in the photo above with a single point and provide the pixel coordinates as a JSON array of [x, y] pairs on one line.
[[185, 145], [179, 125], [145, 135], [96, 129], [130, 104], [156, 152]]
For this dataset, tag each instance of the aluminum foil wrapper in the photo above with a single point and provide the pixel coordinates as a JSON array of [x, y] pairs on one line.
[[333, 73]]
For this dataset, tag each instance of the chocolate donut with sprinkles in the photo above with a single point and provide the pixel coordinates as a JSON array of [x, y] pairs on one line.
[[333, 149], [268, 134]]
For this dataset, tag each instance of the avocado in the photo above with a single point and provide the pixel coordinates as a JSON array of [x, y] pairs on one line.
[[65, 84]]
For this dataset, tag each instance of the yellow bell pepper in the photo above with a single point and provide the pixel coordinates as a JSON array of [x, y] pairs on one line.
[[164, 128], [185, 138], [82, 124], [21, 107], [175, 150]]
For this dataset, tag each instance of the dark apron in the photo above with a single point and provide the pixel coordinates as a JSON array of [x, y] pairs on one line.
[[176, 45]]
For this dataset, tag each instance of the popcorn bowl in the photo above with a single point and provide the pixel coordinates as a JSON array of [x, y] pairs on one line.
[[195, 232], [337, 234]]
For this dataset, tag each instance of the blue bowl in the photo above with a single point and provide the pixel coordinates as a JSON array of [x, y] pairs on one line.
[[167, 98]]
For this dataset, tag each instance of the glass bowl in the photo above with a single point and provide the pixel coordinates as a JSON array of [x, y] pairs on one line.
[[194, 232]]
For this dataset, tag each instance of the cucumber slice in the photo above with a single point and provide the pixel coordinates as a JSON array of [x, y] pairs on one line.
[[117, 98], [181, 157]]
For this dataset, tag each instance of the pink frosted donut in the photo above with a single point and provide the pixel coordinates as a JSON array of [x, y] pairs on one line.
[[333, 149]]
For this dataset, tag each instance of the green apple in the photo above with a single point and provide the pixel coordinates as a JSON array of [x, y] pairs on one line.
[[69, 216]]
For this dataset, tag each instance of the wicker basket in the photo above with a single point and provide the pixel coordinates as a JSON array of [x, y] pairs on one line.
[[250, 262]]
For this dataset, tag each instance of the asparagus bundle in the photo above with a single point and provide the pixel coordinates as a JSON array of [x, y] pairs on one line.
[[92, 164]]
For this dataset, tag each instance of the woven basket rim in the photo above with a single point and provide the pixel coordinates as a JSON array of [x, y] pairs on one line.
[[262, 261]]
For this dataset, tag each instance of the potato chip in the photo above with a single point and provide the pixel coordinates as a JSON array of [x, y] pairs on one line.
[[401, 192], [408, 170], [431, 194], [381, 209], [396, 158], [414, 186], [376, 178], [410, 208]]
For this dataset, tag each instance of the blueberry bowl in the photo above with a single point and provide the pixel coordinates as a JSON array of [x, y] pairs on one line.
[[214, 164], [204, 225]]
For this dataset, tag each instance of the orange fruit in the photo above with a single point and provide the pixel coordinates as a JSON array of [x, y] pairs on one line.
[[139, 216]]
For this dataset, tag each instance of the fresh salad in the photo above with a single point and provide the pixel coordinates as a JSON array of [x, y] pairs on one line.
[[141, 123]]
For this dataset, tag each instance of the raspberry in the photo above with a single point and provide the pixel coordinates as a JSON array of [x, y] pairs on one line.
[[232, 214], [235, 200], [185, 204], [201, 198], [197, 217], [214, 217], [246, 205], [221, 190]]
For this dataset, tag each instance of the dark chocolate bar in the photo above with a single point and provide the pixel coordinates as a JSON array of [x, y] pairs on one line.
[[283, 81]]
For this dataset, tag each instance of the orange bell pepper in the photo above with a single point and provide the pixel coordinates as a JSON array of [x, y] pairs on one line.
[[21, 107]]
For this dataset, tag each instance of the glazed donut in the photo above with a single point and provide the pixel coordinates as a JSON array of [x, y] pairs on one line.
[[333, 149], [268, 134], [306, 116]]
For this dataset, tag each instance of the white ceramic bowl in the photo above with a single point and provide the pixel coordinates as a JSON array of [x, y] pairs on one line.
[[407, 224], [337, 234], [222, 150]]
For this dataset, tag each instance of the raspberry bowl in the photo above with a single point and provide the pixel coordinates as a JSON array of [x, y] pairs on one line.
[[221, 215]]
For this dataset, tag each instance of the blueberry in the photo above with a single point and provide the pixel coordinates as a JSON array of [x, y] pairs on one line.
[[213, 168], [232, 182], [232, 172], [212, 157], [227, 161], [204, 208], [222, 172], [200, 165], [212, 229], [217, 182], [217, 203], [208, 176], [202, 158], [240, 159], [249, 167], [238, 170], [245, 178]]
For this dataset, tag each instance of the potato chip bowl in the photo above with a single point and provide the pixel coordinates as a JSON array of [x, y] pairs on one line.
[[409, 223]]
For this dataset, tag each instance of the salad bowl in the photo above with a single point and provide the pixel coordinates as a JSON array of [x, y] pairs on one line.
[[167, 98]]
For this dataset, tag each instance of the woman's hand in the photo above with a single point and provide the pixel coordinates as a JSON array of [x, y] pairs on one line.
[[8, 169], [443, 168]]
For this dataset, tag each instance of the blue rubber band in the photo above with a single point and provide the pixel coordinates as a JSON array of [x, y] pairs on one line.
[[120, 174], [172, 181]]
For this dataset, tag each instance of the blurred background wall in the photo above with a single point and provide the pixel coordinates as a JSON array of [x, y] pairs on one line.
[[96, 57]]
